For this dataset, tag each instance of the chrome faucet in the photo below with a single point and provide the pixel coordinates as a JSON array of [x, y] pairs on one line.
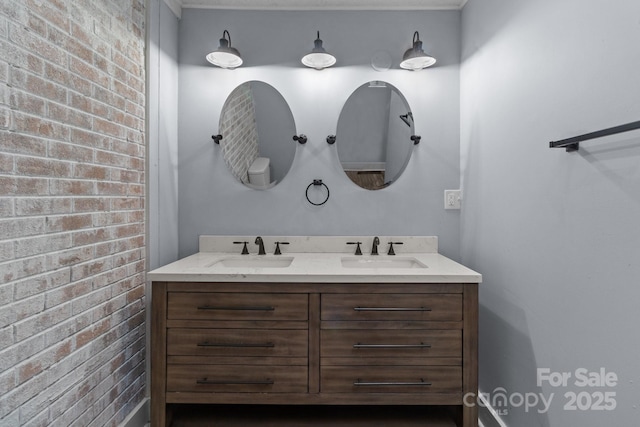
[[260, 244], [374, 248]]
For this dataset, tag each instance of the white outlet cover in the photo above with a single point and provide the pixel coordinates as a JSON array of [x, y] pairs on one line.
[[452, 199]]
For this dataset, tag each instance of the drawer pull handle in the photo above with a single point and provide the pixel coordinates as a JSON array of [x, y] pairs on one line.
[[421, 345], [247, 308], [391, 309], [360, 383], [216, 344], [234, 382]]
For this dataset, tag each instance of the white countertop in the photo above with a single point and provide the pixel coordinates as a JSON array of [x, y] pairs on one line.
[[316, 259]]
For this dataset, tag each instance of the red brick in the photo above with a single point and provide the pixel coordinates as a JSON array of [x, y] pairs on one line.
[[56, 74], [127, 203], [109, 97], [24, 144], [42, 167], [88, 72], [108, 128], [90, 237], [112, 188], [33, 43], [6, 163], [71, 187], [96, 172], [128, 148], [53, 15], [38, 86], [42, 206], [39, 127], [69, 257], [28, 370], [68, 293], [66, 151], [90, 139], [70, 45], [93, 332], [27, 102], [113, 159], [68, 223], [42, 244], [23, 186], [90, 204]]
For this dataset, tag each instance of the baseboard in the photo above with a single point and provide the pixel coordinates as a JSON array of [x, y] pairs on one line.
[[139, 417], [487, 416]]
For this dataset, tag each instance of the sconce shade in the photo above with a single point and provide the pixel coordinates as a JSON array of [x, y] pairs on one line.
[[318, 58], [415, 58], [225, 56]]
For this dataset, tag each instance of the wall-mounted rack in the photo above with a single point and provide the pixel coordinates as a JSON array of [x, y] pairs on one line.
[[573, 144]]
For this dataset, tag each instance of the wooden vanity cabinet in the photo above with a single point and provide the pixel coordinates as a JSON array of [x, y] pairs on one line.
[[314, 344]]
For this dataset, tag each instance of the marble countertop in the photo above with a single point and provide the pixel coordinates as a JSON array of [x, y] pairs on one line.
[[317, 259]]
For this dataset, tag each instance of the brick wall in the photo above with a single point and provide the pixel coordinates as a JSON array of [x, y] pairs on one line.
[[72, 219], [239, 133]]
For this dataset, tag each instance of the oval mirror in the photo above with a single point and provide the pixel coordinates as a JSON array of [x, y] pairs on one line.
[[256, 125], [373, 136]]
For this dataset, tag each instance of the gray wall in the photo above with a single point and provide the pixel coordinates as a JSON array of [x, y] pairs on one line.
[[212, 202], [555, 234]]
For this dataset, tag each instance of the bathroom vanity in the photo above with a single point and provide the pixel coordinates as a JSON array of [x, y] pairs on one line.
[[316, 325]]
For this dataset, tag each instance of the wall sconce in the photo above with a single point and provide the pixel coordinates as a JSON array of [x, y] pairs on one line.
[[415, 58], [318, 58], [225, 56]]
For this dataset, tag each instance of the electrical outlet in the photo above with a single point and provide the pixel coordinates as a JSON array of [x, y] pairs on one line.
[[452, 199]]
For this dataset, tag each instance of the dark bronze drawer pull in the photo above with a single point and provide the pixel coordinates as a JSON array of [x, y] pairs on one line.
[[361, 383], [239, 308], [421, 345], [234, 382], [391, 309], [216, 344]]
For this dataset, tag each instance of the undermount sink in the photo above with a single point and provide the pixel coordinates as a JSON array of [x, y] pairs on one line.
[[255, 262], [383, 262]]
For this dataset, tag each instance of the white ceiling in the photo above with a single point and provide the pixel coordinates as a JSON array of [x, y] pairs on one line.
[[177, 5]]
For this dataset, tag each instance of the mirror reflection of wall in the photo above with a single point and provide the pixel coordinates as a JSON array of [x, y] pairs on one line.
[[256, 125], [372, 138]]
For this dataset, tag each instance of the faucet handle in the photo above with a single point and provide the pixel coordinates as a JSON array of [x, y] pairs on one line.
[[245, 251], [391, 251], [358, 250], [277, 252]]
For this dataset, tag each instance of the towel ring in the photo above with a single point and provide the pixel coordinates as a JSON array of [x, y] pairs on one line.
[[317, 183]]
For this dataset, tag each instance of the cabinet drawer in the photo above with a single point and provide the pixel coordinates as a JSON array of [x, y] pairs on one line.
[[236, 306], [237, 342], [237, 378], [391, 343], [388, 307], [390, 379]]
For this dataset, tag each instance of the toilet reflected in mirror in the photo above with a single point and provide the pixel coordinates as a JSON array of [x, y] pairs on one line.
[[373, 136], [257, 126]]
